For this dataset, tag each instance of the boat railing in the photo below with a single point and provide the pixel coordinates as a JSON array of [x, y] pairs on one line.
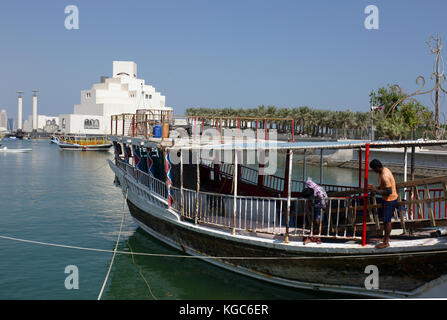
[[340, 217], [419, 201], [83, 141], [270, 182], [140, 124], [153, 184], [267, 215], [438, 205]]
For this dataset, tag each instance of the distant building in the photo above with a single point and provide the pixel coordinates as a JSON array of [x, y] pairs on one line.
[[10, 126], [28, 124], [122, 93], [3, 120], [48, 124]]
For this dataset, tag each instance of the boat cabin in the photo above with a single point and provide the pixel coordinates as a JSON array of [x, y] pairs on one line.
[[240, 175]]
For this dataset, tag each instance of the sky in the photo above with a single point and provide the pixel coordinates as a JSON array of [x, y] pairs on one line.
[[216, 53]]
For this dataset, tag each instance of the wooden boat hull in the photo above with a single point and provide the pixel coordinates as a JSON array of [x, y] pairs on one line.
[[408, 270], [77, 147]]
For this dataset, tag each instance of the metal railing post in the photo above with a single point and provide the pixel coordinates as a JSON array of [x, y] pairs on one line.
[[293, 130], [289, 194], [182, 205], [196, 217], [124, 120], [360, 167], [365, 197], [235, 191]]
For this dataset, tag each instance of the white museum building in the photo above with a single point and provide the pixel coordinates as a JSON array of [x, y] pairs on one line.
[[122, 93]]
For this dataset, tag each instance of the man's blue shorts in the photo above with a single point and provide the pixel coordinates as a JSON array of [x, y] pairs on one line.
[[388, 208], [318, 214]]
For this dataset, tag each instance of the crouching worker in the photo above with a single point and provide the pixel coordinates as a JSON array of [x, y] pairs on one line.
[[387, 189], [317, 205]]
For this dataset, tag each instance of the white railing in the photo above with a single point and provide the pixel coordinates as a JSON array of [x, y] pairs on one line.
[[153, 184], [257, 214], [268, 215]]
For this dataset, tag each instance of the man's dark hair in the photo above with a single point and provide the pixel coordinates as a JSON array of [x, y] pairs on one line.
[[375, 164], [307, 193]]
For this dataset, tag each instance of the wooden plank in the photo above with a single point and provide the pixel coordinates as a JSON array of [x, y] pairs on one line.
[[418, 202], [376, 206], [376, 213], [402, 220], [430, 209], [400, 185], [418, 182], [370, 210]]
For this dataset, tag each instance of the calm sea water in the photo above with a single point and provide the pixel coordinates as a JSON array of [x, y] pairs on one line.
[[68, 197]]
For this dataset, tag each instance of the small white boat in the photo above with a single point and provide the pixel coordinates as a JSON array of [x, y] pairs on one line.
[[55, 141], [5, 149]]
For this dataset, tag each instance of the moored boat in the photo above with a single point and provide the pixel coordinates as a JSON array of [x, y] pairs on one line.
[[75, 143], [6, 150], [236, 217]]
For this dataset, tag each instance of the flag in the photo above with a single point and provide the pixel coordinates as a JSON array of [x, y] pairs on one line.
[[117, 148], [150, 162], [126, 154], [137, 158], [168, 177]]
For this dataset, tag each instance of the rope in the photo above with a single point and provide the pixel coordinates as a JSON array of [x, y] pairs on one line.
[[114, 250], [219, 258], [141, 273]]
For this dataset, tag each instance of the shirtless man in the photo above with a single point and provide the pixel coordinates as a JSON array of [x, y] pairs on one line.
[[387, 189]]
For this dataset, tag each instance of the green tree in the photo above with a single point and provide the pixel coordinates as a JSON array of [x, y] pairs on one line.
[[400, 117]]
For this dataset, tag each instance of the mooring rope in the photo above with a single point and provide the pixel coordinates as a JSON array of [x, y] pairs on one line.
[[141, 273], [161, 255], [114, 250]]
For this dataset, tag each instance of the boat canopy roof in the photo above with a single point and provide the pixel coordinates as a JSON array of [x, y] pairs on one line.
[[308, 145], [230, 143]]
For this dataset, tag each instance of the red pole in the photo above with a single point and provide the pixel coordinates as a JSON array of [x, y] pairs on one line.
[[124, 119], [111, 126], [203, 125], [265, 127], [133, 126], [365, 198], [116, 125], [256, 129]]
